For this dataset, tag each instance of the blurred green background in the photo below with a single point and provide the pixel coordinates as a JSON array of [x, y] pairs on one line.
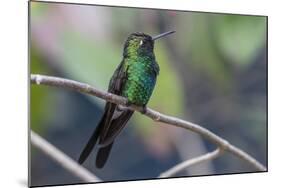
[[213, 71]]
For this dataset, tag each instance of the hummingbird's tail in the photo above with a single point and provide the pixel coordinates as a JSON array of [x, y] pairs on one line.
[[106, 142], [102, 155], [111, 124], [91, 143]]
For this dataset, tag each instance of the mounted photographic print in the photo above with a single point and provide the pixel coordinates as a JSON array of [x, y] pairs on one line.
[[121, 93]]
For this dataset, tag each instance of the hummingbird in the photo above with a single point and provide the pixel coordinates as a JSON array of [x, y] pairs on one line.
[[134, 79]]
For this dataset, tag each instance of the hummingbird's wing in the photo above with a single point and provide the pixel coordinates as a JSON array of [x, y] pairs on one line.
[[93, 139], [111, 123], [106, 142], [117, 118], [112, 112]]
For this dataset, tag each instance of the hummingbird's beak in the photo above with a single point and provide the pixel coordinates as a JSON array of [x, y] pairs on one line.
[[163, 35]]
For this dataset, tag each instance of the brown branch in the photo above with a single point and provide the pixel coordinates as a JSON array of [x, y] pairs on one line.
[[62, 159], [223, 144], [181, 166]]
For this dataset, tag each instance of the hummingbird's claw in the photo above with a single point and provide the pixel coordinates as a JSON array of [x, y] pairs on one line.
[[143, 109], [127, 103]]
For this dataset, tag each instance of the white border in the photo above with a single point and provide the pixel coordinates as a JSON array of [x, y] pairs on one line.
[[13, 53]]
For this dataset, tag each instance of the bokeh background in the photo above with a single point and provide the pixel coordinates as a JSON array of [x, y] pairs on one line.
[[213, 71]]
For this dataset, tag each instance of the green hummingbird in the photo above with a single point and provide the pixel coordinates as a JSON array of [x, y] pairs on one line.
[[134, 78]]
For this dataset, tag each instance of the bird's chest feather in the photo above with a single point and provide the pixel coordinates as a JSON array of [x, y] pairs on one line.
[[140, 82]]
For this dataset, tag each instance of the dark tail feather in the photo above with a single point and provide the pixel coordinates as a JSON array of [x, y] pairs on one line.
[[115, 128], [102, 155], [106, 142], [91, 143], [89, 147]]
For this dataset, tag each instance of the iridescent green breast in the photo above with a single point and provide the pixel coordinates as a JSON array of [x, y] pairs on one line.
[[141, 79]]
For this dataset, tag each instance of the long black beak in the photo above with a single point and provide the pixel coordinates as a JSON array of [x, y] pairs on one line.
[[163, 35]]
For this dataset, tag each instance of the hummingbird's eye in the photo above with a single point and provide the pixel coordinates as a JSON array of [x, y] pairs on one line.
[[141, 42]]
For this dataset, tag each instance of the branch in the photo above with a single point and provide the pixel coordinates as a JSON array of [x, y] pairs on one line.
[[179, 167], [62, 159], [223, 144]]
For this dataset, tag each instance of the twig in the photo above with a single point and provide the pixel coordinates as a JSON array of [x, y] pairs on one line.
[[62, 159], [179, 167], [156, 116]]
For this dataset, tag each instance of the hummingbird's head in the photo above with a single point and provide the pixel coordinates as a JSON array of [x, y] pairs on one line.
[[141, 44], [138, 44]]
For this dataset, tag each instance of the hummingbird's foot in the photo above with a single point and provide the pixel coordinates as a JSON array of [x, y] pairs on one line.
[[127, 106], [143, 109], [121, 108], [128, 103]]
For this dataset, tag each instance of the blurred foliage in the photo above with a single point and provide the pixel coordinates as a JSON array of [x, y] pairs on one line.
[[40, 97], [38, 10], [88, 60], [203, 53], [212, 71], [240, 37]]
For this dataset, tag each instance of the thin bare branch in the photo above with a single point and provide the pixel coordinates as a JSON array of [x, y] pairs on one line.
[[181, 166], [62, 159], [156, 116]]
